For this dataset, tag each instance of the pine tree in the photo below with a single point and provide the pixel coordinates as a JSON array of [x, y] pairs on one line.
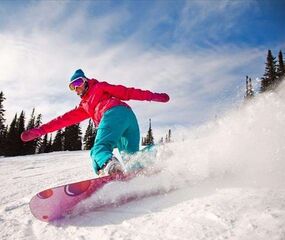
[[148, 140], [280, 67], [20, 126], [72, 138], [169, 135], [38, 140], [49, 145], [3, 142], [10, 147], [269, 79], [30, 147], [38, 120], [31, 123], [3, 129], [57, 144], [89, 136], [2, 112], [249, 89], [43, 145]]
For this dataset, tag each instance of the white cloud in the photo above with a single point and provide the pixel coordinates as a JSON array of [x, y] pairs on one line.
[[201, 21]]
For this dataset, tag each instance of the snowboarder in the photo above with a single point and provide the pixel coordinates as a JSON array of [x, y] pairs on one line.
[[117, 124]]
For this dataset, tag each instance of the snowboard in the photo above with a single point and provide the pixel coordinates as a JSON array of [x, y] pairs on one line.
[[55, 203]]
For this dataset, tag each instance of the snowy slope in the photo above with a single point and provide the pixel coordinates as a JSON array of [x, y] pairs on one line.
[[224, 180]]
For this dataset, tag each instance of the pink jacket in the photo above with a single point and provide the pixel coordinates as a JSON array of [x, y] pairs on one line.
[[100, 97]]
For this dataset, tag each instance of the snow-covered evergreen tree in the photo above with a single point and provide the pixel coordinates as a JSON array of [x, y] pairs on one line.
[[249, 89], [72, 138], [269, 79], [10, 147], [149, 139], [89, 136], [280, 67], [30, 147], [3, 129], [58, 143], [20, 127], [43, 145]]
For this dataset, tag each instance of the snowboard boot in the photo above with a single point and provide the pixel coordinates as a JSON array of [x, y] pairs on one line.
[[112, 166]]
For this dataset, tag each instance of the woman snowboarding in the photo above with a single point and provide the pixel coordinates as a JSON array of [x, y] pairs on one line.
[[117, 124]]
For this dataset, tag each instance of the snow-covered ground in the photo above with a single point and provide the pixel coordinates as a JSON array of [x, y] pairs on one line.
[[224, 180]]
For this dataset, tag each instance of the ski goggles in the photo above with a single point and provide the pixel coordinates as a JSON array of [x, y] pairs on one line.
[[78, 82]]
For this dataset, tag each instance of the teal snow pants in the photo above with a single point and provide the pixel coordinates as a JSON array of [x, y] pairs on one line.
[[117, 129]]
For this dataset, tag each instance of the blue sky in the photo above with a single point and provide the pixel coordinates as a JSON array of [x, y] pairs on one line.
[[197, 51]]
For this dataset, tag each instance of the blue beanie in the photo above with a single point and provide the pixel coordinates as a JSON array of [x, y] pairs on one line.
[[78, 73]]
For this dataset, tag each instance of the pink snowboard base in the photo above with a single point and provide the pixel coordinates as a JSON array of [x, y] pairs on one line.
[[55, 203]]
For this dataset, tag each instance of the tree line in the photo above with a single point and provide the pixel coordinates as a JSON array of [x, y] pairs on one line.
[[273, 75], [69, 138]]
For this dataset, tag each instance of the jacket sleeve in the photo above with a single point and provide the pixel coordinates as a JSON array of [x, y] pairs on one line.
[[125, 93], [72, 117]]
